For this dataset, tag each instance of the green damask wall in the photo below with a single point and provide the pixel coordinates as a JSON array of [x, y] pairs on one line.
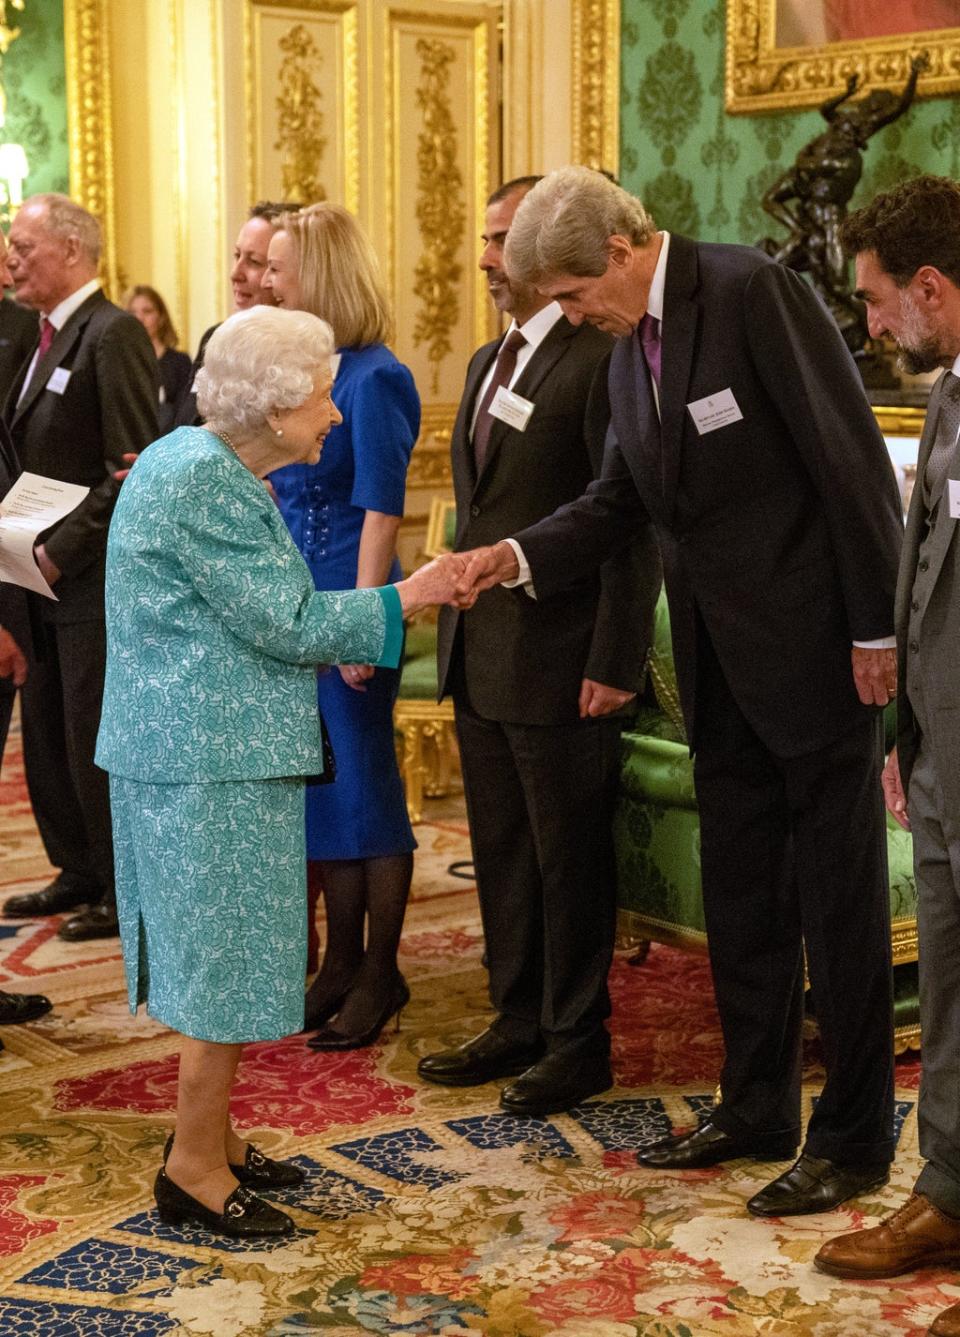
[[703, 172], [35, 81]]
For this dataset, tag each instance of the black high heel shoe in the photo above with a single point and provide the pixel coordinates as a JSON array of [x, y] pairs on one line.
[[244, 1215], [315, 1014], [257, 1170], [330, 1040]]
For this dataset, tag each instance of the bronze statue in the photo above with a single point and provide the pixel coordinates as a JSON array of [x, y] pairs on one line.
[[811, 197]]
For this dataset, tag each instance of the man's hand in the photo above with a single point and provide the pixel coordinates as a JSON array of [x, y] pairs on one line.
[[486, 567], [48, 569], [13, 663], [875, 675], [355, 675], [435, 583], [893, 795], [597, 699]]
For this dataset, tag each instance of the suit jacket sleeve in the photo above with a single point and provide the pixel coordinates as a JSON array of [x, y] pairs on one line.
[[629, 581], [806, 368], [125, 366]]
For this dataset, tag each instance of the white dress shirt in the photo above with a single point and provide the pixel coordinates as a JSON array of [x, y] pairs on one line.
[[534, 331]]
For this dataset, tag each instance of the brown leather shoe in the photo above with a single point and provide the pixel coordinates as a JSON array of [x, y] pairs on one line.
[[918, 1235], [946, 1324]]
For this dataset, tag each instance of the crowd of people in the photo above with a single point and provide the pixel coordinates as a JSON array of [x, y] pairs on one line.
[[657, 410]]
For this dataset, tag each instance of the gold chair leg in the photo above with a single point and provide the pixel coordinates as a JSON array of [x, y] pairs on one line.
[[413, 769]]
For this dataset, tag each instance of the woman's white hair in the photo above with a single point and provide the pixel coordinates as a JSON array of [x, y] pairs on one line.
[[261, 359], [564, 223]]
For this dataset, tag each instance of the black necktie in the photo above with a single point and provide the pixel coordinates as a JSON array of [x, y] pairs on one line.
[[506, 365]]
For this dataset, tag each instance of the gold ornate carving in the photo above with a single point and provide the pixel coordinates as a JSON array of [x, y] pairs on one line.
[[299, 117], [89, 122], [596, 83], [440, 211], [430, 461], [762, 77]]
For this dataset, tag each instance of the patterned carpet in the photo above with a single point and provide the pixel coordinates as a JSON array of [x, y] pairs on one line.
[[426, 1211]]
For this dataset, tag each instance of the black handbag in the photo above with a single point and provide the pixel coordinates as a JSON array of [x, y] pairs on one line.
[[329, 760]]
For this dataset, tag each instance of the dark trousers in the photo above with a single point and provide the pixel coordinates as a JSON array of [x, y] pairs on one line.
[[8, 694], [61, 702], [793, 853], [539, 801]]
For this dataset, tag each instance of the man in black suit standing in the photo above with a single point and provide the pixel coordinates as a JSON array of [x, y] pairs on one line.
[[536, 687], [18, 338], [742, 437], [87, 397]]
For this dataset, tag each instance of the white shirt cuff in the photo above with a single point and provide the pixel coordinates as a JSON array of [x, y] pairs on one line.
[[524, 580], [884, 643]]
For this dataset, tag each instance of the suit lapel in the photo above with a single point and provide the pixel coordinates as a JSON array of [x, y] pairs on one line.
[[461, 447], [636, 423], [63, 343], [679, 332]]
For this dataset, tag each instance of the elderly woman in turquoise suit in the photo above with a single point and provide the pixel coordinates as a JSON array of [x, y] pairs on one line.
[[210, 729]]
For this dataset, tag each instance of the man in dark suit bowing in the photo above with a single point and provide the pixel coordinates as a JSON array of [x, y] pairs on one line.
[[87, 397], [536, 688], [741, 436]]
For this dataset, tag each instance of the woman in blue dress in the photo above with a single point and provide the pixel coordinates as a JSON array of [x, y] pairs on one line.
[[209, 729], [344, 514]]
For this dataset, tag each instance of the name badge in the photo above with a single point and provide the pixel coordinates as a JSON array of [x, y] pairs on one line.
[[953, 497], [59, 379], [714, 411], [512, 409]]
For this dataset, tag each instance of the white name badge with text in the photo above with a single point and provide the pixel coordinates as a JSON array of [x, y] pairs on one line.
[[59, 379], [953, 497], [714, 411], [512, 409]]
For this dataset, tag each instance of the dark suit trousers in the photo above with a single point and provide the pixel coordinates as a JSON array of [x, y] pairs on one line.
[[539, 801], [61, 702], [8, 694], [793, 852]]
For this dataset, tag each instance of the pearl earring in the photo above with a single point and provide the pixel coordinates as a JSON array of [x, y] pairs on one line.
[[279, 431]]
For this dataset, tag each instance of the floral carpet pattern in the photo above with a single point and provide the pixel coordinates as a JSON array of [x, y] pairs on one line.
[[426, 1210]]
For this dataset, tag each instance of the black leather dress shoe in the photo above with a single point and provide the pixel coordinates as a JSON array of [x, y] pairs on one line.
[[709, 1145], [554, 1085], [244, 1215], [64, 893], [17, 1007], [815, 1185], [482, 1059], [98, 921]]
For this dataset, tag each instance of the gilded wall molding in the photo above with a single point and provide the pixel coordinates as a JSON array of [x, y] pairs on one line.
[[255, 98], [89, 120], [762, 77], [596, 83], [300, 120], [439, 210]]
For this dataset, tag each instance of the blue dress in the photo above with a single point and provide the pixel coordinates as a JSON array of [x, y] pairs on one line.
[[363, 814]]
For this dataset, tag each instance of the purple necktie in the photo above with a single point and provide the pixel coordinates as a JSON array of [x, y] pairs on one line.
[[506, 365], [649, 332]]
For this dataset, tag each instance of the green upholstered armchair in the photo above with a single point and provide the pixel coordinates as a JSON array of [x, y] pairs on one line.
[[657, 839]]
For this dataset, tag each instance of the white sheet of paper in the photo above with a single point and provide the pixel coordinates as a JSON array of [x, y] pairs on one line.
[[714, 411], [59, 380], [32, 505], [512, 409], [953, 496]]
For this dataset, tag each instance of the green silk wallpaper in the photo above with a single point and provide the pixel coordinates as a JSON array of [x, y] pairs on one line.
[[702, 172], [34, 78]]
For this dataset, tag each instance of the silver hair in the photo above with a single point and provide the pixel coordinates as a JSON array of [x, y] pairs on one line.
[[261, 359], [564, 223], [65, 218]]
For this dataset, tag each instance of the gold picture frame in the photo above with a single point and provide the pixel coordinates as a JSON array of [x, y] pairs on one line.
[[764, 76]]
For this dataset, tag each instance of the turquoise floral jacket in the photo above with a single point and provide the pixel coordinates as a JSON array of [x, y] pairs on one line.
[[214, 628]]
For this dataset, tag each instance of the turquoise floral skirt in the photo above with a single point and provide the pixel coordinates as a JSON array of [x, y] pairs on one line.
[[211, 896]]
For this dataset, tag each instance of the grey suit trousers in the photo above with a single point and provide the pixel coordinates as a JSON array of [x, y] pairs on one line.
[[936, 858]]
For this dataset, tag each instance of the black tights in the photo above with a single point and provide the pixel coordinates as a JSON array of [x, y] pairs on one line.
[[358, 892]]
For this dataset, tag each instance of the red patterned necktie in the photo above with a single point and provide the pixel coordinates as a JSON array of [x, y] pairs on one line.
[[47, 331], [506, 365]]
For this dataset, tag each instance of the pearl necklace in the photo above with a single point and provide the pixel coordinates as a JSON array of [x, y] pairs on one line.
[[227, 442]]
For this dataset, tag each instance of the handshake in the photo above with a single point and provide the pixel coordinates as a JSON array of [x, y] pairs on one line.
[[457, 578]]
